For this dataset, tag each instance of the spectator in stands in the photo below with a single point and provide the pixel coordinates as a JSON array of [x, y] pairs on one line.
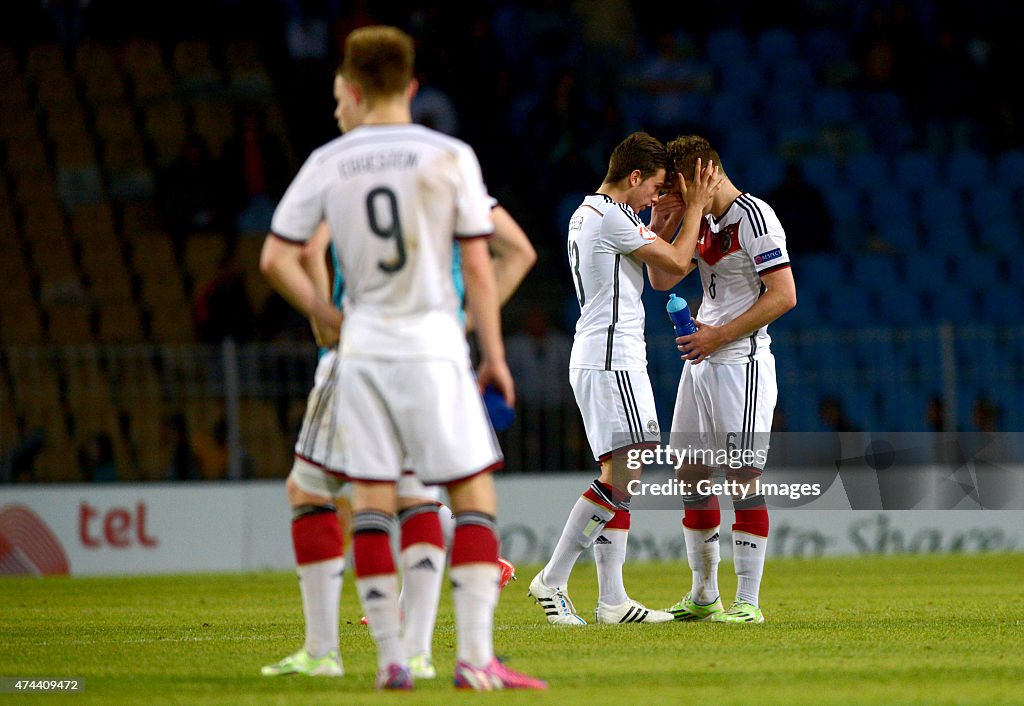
[[222, 307], [174, 436], [96, 459], [190, 196], [538, 358], [833, 416], [801, 206], [256, 170], [986, 415]]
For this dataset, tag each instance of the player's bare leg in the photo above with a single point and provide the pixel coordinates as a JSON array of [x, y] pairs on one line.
[[422, 561], [474, 575], [749, 545], [319, 556], [701, 526], [374, 506]]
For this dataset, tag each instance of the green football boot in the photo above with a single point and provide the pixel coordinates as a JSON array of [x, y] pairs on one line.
[[739, 612], [688, 610], [302, 663]]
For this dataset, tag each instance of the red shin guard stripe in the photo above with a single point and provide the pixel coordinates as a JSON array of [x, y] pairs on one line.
[[372, 554], [424, 528], [317, 538], [620, 521], [474, 544], [752, 521], [702, 516]]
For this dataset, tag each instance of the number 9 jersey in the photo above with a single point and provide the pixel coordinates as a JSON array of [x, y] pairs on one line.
[[394, 197]]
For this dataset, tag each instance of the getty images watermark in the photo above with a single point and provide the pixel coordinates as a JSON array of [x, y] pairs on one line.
[[732, 459]]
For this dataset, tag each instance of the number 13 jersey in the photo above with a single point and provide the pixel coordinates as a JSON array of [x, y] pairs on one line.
[[609, 281], [395, 197]]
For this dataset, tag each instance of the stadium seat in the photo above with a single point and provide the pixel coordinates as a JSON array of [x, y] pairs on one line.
[[69, 324], [967, 169], [877, 271], [727, 108], [917, 171], [832, 107], [744, 80], [1010, 169], [776, 44], [793, 76], [990, 204], [927, 270], [825, 46], [868, 170], [822, 171], [976, 270], [727, 47]]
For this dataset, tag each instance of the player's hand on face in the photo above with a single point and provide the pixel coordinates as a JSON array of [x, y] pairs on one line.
[[669, 205], [701, 190], [498, 375], [695, 347]]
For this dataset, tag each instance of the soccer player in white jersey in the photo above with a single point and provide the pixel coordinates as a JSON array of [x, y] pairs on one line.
[[396, 196], [608, 245], [315, 481], [727, 390]]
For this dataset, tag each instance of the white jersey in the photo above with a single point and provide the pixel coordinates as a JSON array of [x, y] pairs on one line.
[[609, 281], [394, 197], [733, 252]]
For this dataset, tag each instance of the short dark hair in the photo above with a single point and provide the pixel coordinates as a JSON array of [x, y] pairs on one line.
[[379, 59], [638, 151], [684, 151]]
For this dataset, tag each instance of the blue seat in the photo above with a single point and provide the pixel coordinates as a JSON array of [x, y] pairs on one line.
[[945, 236], [867, 170], [742, 79], [826, 46], [917, 170], [877, 271], [727, 46], [1004, 238], [822, 171], [942, 203], [891, 203], [977, 270], [776, 44], [832, 107], [821, 271], [900, 233], [848, 306], [990, 204], [764, 173], [726, 108], [793, 75], [900, 305], [967, 169], [783, 108], [926, 270], [1010, 169]]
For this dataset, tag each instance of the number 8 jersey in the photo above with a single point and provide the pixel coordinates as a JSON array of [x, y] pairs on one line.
[[394, 197], [609, 281]]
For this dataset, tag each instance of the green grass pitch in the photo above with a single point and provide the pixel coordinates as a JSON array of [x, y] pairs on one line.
[[908, 629]]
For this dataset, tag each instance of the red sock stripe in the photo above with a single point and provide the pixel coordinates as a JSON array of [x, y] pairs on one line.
[[474, 544], [372, 554], [752, 521], [316, 538], [423, 528], [620, 521], [593, 497], [703, 515]]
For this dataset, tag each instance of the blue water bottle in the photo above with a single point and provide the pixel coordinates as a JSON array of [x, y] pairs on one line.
[[679, 311]]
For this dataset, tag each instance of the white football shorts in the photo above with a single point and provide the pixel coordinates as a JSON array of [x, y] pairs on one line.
[[318, 452], [426, 416], [618, 409], [725, 411]]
